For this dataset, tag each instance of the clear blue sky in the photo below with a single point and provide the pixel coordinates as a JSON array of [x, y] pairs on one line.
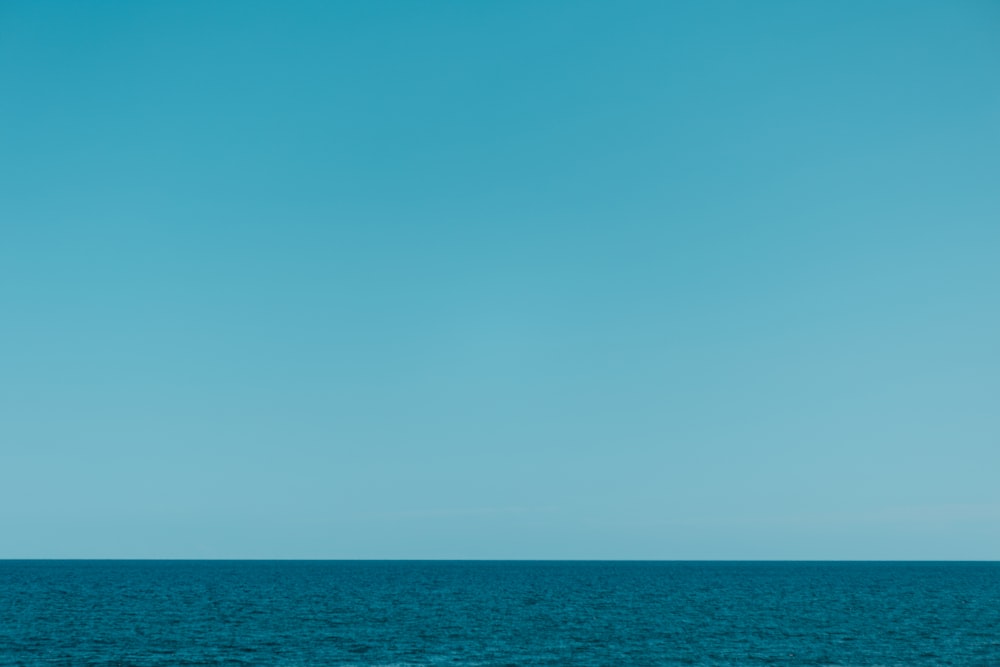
[[500, 279]]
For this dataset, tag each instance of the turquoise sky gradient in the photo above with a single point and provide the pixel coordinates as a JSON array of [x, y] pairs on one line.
[[500, 280]]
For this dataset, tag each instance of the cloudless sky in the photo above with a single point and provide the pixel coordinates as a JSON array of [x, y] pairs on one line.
[[579, 279]]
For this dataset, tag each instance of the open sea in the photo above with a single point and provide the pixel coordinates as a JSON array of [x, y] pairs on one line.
[[498, 613]]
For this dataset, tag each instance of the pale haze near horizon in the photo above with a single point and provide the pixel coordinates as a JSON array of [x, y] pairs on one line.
[[500, 280]]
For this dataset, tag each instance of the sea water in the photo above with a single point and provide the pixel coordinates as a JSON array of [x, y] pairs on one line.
[[498, 613]]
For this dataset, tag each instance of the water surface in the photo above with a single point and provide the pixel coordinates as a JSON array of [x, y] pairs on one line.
[[148, 613]]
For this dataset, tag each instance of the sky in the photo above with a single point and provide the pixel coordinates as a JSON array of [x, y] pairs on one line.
[[541, 280]]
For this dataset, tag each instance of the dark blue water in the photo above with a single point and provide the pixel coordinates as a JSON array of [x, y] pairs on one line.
[[497, 613]]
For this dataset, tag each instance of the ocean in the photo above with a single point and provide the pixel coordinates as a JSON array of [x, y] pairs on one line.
[[498, 613]]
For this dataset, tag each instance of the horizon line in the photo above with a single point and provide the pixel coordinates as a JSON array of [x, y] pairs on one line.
[[501, 560]]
